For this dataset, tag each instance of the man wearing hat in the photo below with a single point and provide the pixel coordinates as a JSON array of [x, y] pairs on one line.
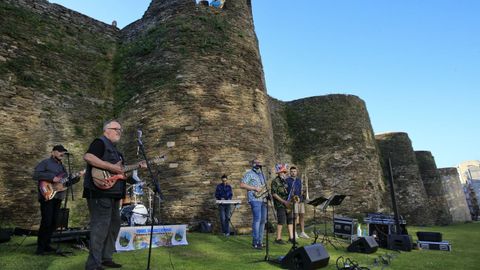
[[51, 170], [280, 196], [224, 192]]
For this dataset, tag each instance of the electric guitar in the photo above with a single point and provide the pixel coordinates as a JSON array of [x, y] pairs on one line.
[[104, 179], [48, 189]]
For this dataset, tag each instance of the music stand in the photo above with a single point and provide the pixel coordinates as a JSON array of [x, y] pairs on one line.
[[334, 200], [316, 202]]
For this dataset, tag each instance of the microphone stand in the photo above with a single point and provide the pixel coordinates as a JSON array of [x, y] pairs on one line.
[[269, 199], [64, 210], [157, 191]]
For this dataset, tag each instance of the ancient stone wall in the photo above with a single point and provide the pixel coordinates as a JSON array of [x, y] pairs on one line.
[[455, 196], [434, 187], [410, 193], [281, 135], [333, 144], [192, 75], [56, 87]]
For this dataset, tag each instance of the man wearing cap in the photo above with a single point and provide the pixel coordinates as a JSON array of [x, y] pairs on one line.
[[224, 192], [280, 200], [254, 182], [51, 170]]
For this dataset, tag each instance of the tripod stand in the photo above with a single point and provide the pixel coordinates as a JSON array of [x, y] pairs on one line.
[[334, 200]]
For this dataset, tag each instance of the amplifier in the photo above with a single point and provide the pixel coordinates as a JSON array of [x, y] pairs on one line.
[[345, 226], [445, 245]]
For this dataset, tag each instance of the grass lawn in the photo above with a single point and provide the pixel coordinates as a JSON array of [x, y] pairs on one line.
[[207, 251]]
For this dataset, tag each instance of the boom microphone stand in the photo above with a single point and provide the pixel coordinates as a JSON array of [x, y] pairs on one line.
[[156, 187]]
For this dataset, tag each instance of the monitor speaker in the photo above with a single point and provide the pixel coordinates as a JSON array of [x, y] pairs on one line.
[[364, 245], [399, 242], [306, 257], [429, 236]]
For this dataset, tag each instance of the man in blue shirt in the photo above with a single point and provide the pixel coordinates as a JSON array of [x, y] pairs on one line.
[[224, 192], [254, 182], [296, 183]]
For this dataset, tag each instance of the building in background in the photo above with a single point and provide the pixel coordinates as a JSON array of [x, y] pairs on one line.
[[470, 177]]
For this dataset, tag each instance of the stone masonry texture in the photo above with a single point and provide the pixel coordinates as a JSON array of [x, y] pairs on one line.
[[434, 187], [411, 197], [455, 196]]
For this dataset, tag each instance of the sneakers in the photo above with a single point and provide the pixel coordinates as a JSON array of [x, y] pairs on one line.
[[296, 235], [304, 235], [111, 264], [259, 247], [280, 242], [291, 241]]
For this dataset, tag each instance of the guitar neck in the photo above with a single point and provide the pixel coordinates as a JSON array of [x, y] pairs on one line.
[[129, 168], [132, 167]]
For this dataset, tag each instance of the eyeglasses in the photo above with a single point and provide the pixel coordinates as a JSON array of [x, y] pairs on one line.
[[116, 129]]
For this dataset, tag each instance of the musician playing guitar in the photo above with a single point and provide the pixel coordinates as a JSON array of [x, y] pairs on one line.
[[103, 204], [50, 170], [254, 181]]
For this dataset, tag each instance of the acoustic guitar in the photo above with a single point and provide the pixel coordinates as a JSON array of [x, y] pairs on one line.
[[104, 179], [48, 189]]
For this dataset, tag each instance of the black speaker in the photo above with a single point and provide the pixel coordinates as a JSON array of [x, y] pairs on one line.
[[306, 257], [364, 245], [5, 235], [429, 236], [62, 218], [400, 242]]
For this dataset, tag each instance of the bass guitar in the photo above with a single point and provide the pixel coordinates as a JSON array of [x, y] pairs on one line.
[[48, 189], [104, 179]]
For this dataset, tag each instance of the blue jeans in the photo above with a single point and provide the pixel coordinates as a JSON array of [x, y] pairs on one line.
[[224, 210], [259, 212]]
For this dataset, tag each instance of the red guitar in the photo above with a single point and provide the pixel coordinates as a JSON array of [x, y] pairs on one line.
[[48, 189], [104, 179]]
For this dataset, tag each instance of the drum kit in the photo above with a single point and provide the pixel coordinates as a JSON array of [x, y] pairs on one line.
[[133, 211]]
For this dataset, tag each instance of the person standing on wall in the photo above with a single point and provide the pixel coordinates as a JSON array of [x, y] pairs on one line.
[[296, 183], [103, 204], [255, 184], [49, 170], [224, 192], [280, 200]]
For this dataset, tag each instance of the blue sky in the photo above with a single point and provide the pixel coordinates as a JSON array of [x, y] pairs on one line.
[[416, 64]]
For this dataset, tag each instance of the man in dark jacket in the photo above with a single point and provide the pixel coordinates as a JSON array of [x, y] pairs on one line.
[[103, 204], [224, 192]]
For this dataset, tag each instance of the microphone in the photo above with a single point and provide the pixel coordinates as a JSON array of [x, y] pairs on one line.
[[67, 153]]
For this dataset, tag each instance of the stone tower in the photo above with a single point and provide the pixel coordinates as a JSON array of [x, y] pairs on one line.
[[434, 188], [410, 193], [331, 139], [192, 75], [455, 196]]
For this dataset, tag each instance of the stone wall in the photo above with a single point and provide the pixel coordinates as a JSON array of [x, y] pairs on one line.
[[56, 87], [410, 193], [436, 191], [455, 196], [330, 138], [192, 75]]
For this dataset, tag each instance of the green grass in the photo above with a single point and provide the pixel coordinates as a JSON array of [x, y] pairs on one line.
[[207, 251]]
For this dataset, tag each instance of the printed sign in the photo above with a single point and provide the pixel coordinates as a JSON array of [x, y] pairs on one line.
[[131, 238]]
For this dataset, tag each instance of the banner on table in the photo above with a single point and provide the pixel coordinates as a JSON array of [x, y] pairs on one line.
[[130, 238]]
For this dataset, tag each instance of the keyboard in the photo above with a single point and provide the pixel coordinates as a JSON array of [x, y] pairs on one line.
[[228, 201]]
